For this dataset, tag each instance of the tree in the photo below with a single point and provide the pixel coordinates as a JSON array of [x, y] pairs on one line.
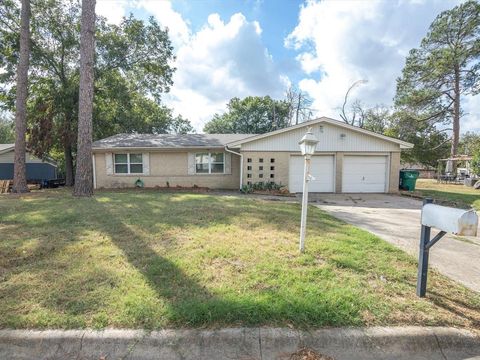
[[470, 143], [84, 170], [443, 69], [132, 69], [376, 119], [7, 130], [19, 167], [300, 109], [251, 115], [354, 116]]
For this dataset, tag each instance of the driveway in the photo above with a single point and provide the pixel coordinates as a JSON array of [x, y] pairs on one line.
[[396, 219]]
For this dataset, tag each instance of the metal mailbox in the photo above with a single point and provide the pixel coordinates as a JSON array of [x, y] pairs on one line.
[[450, 220], [447, 220]]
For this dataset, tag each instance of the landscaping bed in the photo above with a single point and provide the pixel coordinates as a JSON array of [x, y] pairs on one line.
[[146, 259]]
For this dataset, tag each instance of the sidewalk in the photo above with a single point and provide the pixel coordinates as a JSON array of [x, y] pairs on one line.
[[241, 343]]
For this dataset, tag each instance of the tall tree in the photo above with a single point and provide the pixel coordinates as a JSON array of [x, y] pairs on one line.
[[84, 170], [355, 115], [7, 129], [300, 106], [251, 115], [19, 167], [443, 69], [132, 70]]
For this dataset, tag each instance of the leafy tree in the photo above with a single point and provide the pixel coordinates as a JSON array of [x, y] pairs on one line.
[[377, 119], [429, 143], [19, 166], [251, 115], [443, 69], [132, 70], [470, 143], [7, 133], [84, 170]]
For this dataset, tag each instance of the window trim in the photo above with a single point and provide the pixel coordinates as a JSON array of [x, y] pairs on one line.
[[128, 163], [210, 162]]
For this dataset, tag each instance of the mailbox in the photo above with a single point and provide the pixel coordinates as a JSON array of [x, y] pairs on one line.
[[447, 220], [450, 220]]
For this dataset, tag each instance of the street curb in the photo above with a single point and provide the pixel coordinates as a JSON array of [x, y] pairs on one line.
[[241, 343]]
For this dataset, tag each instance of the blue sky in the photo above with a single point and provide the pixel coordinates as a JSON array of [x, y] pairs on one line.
[[261, 47]]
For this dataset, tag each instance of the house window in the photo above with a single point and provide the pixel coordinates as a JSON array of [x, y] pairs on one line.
[[272, 176], [209, 163], [260, 160], [249, 159], [272, 168], [128, 163], [272, 160], [260, 168], [249, 183], [249, 167], [260, 176], [249, 175]]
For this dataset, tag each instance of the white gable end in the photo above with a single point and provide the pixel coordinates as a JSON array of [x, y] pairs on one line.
[[331, 138]]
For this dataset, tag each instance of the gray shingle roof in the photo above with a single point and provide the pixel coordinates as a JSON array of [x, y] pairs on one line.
[[167, 140]]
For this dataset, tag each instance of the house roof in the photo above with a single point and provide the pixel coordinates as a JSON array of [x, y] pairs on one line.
[[168, 141], [403, 144], [6, 147]]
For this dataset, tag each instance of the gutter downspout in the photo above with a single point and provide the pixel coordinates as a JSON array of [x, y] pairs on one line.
[[241, 163], [94, 174]]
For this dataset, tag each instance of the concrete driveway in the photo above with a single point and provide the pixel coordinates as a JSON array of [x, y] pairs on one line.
[[396, 219]]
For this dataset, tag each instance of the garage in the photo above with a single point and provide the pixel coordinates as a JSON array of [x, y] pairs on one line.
[[364, 174], [322, 169]]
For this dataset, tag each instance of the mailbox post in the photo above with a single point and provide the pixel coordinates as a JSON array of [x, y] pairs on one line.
[[447, 220]]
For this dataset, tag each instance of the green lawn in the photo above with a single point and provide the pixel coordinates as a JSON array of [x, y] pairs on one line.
[[450, 194], [146, 259]]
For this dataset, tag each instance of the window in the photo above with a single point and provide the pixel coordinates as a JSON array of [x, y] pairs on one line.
[[249, 183], [249, 160], [249, 175], [128, 163], [260, 168], [272, 176], [249, 167], [260, 176], [272, 168], [272, 160], [260, 160], [209, 163]]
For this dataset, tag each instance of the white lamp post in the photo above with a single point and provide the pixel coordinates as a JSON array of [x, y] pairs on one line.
[[307, 146]]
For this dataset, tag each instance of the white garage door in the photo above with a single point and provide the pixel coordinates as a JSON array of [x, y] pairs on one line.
[[364, 174], [322, 167]]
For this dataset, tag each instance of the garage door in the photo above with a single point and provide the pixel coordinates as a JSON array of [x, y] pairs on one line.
[[321, 169], [364, 174]]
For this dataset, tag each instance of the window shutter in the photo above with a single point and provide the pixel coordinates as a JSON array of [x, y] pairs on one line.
[[146, 163], [191, 163], [228, 163], [109, 163]]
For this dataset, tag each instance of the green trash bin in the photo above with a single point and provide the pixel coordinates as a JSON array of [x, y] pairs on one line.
[[408, 179]]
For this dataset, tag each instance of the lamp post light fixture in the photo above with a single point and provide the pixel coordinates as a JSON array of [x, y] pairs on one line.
[[307, 146]]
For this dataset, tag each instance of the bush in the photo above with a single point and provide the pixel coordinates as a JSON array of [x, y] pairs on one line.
[[260, 186]]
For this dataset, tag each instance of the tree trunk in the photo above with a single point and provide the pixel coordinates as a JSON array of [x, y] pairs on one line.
[[84, 169], [68, 165], [19, 167], [456, 119]]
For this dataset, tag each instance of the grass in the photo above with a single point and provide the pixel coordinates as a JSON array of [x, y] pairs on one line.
[[146, 259], [450, 194]]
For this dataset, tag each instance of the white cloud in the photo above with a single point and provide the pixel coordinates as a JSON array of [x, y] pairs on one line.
[[340, 42], [222, 60], [112, 10]]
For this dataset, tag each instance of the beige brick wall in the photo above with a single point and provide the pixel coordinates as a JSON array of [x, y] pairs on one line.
[[394, 172], [171, 167], [280, 164]]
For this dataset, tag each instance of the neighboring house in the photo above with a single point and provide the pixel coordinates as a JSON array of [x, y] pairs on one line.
[[348, 159], [37, 169], [425, 171]]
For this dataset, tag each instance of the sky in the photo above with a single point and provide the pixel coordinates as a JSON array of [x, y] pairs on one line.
[[234, 48]]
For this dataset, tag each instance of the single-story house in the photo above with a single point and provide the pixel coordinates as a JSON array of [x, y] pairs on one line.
[[37, 169], [347, 159]]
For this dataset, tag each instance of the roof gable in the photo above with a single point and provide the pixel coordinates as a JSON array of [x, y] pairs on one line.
[[403, 144]]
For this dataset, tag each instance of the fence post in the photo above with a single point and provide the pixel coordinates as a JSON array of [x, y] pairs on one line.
[[423, 257]]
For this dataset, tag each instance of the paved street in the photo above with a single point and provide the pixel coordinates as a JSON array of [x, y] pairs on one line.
[[397, 220]]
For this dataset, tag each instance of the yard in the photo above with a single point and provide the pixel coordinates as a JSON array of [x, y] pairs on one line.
[[450, 194], [146, 259]]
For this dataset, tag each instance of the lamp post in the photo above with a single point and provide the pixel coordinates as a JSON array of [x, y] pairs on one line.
[[307, 146]]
